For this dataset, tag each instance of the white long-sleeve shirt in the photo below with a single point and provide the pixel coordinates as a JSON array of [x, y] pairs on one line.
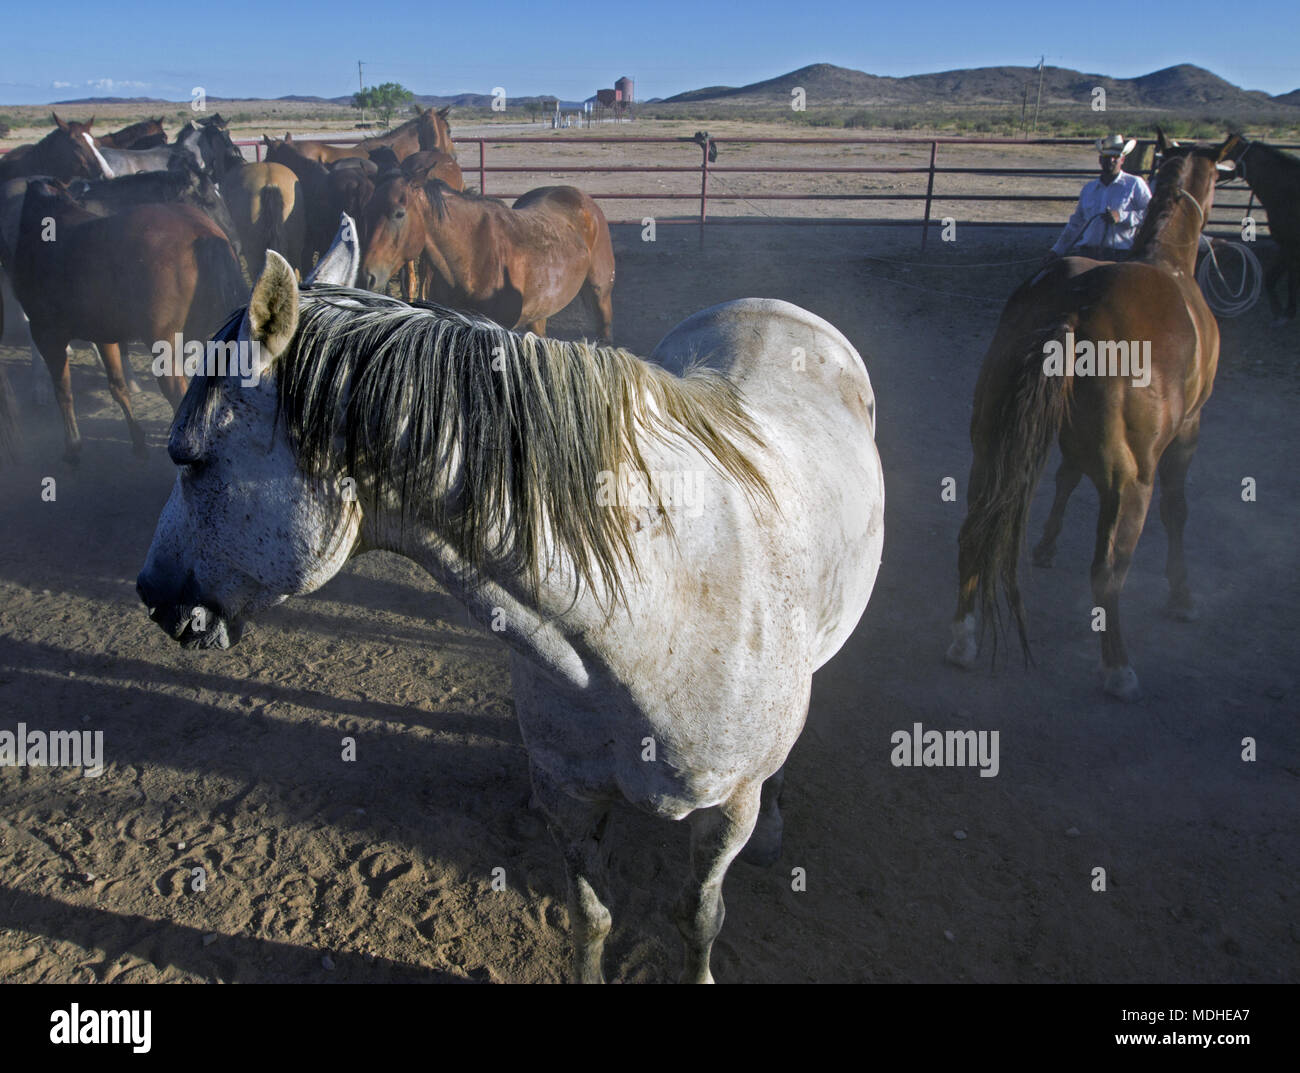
[[1126, 193]]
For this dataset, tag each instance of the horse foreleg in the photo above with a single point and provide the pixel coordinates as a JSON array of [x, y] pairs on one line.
[[111, 355], [601, 302], [1119, 524], [54, 352], [579, 829], [132, 384], [42, 387], [1067, 479], [537, 327], [764, 847], [410, 280], [1173, 513], [718, 834]]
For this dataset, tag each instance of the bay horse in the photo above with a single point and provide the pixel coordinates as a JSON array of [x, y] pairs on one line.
[[680, 625], [1274, 176], [67, 152], [140, 275], [428, 130], [182, 182], [147, 134], [519, 266], [328, 190], [422, 167], [1116, 422]]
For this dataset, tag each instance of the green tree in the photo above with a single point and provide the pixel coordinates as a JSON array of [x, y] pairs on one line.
[[385, 99]]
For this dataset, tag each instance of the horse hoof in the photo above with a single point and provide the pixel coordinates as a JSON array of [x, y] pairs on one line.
[[964, 650], [1122, 683]]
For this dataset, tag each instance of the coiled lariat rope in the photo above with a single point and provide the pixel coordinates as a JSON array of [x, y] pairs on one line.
[[1220, 295]]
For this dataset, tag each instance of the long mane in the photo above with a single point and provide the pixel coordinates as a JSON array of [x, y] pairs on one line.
[[394, 394], [1169, 184]]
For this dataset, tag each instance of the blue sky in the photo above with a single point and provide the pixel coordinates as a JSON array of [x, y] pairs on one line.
[[81, 48]]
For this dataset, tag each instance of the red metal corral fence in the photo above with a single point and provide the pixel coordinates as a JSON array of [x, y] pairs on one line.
[[691, 157]]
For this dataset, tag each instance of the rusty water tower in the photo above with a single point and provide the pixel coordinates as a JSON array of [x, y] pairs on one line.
[[624, 86]]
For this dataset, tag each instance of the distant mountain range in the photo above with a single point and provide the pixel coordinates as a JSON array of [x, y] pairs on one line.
[[1183, 88]]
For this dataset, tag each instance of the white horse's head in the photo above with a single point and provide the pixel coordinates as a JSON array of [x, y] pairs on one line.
[[244, 527]]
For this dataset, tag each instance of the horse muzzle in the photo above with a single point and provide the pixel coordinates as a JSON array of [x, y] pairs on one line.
[[190, 622]]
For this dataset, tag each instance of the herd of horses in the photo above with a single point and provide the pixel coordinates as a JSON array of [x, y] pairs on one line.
[[431, 428]]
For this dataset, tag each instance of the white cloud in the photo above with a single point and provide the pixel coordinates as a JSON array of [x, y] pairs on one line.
[[107, 85], [60, 85]]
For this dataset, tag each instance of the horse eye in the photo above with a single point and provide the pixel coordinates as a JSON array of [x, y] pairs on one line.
[[400, 214]]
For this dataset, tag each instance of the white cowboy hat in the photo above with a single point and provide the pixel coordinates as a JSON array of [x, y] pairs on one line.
[[1115, 145]]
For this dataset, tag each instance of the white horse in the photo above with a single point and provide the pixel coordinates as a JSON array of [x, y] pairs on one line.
[[671, 549]]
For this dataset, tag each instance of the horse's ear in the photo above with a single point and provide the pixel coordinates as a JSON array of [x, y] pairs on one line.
[[418, 109], [273, 307], [342, 261], [444, 112], [90, 122], [1229, 145], [1162, 143], [59, 122]]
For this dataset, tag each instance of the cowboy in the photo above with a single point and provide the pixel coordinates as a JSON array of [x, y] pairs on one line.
[[1110, 209]]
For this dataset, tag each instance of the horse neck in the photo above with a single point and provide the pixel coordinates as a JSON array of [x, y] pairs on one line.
[[1264, 174], [450, 256], [1177, 241]]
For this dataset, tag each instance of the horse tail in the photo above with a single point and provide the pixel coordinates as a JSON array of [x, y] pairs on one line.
[[221, 288], [1019, 410], [9, 433], [271, 231]]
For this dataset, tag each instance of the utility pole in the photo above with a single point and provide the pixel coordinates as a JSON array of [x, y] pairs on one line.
[[1040, 91], [360, 89]]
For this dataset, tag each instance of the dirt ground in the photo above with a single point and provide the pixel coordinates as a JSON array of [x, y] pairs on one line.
[[382, 869]]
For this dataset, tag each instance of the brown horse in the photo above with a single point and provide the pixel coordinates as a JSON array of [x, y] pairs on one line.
[[142, 275], [518, 266], [327, 190], [1274, 176], [422, 167], [1115, 360], [64, 153], [147, 134], [428, 130], [266, 202]]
